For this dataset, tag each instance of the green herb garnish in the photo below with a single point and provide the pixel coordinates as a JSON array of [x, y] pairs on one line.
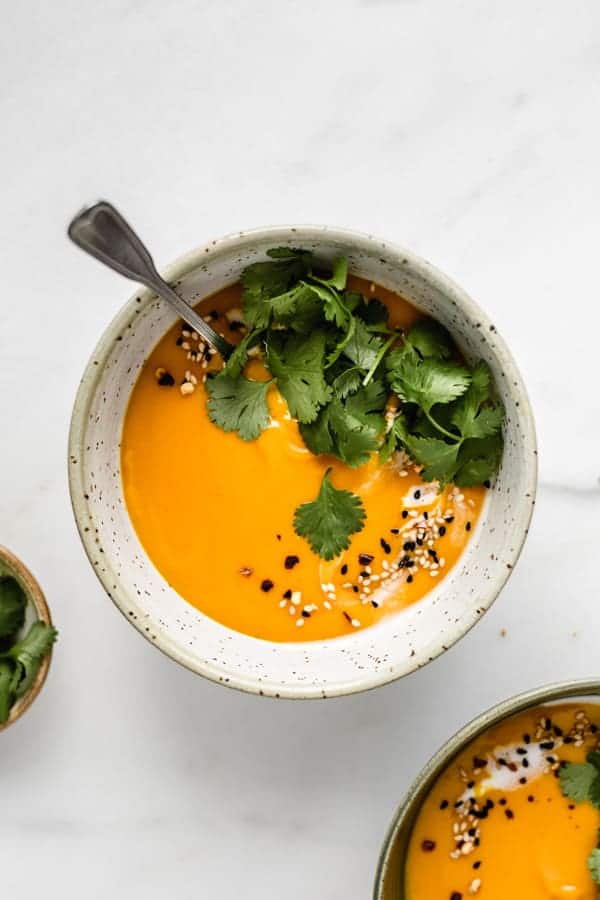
[[580, 782], [20, 660], [338, 364], [328, 521]]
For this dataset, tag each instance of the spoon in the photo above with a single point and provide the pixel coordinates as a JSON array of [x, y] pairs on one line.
[[103, 232]]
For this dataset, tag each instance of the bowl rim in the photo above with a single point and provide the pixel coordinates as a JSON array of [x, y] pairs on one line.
[[411, 801], [36, 596], [194, 259]]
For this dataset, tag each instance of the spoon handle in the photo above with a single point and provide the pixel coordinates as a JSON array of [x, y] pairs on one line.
[[102, 232]]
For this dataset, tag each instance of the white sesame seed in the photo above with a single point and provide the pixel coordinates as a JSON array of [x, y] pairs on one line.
[[283, 603], [296, 597], [355, 623], [195, 335], [326, 604], [292, 610], [185, 346], [187, 388], [299, 623]]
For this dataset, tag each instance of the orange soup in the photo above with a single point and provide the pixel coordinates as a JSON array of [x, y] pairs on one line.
[[497, 824], [215, 513]]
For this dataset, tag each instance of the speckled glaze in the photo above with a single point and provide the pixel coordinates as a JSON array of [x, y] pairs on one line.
[[395, 646], [37, 609], [389, 879]]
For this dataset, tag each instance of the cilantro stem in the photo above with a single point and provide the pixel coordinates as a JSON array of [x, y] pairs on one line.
[[378, 359], [440, 428]]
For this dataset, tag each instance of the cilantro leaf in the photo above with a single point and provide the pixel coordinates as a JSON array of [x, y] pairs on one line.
[[263, 280], [337, 432], [238, 404], [478, 460], [577, 781], [347, 382], [328, 522], [431, 339], [28, 655], [349, 430], [593, 862], [334, 308], [7, 696], [425, 381], [299, 308], [12, 607], [470, 416], [297, 364], [363, 347], [437, 457], [339, 274]]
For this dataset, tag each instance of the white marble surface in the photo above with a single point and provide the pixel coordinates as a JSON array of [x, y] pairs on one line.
[[467, 131]]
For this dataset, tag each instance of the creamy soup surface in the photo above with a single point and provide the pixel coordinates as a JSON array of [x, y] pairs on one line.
[[215, 513], [496, 824]]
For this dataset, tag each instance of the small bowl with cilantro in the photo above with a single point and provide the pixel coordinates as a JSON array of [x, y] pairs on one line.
[[26, 638], [333, 504]]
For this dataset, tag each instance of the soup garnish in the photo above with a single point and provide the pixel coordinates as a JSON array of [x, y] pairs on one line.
[[355, 386]]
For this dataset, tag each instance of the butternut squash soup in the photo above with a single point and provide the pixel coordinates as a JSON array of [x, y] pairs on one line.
[[515, 815], [301, 492]]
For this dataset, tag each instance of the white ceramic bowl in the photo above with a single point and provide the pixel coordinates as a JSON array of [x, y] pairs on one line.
[[397, 644]]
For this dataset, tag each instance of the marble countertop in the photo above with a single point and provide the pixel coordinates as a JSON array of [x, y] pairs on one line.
[[467, 131]]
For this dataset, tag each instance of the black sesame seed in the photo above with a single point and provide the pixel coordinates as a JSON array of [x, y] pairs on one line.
[[235, 325], [365, 558], [449, 519], [266, 585], [291, 561], [527, 738], [530, 799], [477, 864], [166, 380], [509, 814], [344, 569], [427, 846], [417, 494], [214, 314], [288, 594], [355, 588], [278, 536], [444, 804], [455, 895], [179, 341], [525, 763], [425, 515], [410, 579], [395, 530], [442, 530], [306, 614], [405, 514], [384, 545], [478, 762], [375, 604], [347, 617], [468, 526]]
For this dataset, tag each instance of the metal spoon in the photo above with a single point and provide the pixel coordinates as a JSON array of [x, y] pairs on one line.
[[103, 232]]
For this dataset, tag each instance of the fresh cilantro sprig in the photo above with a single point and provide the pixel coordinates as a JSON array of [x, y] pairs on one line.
[[580, 782], [328, 522], [20, 660], [338, 364]]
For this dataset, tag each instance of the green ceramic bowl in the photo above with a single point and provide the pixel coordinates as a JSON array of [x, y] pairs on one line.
[[389, 880], [37, 609]]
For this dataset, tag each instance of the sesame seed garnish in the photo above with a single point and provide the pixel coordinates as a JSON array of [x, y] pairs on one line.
[[299, 623], [266, 585], [291, 561], [365, 558], [344, 569], [187, 388], [468, 526], [164, 378], [427, 846], [246, 571]]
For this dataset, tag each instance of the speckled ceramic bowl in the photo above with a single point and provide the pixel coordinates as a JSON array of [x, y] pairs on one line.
[[389, 880], [37, 609], [396, 645]]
